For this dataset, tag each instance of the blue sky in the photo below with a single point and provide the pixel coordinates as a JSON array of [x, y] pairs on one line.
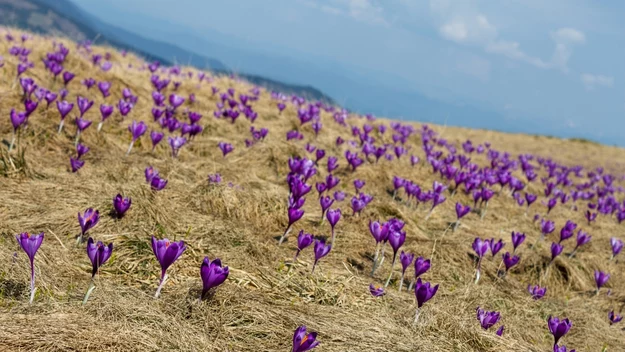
[[557, 63]]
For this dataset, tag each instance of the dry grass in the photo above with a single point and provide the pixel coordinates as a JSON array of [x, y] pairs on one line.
[[266, 298]]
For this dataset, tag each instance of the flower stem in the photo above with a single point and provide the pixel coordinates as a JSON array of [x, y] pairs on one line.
[[286, 232], [12, 141], [77, 138], [416, 316], [100, 125], [160, 286], [390, 275], [478, 271], [130, 147], [401, 282], [32, 282], [375, 258], [89, 290], [333, 237], [61, 126]]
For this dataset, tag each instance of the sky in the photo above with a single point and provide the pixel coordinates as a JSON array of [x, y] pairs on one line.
[[556, 63]]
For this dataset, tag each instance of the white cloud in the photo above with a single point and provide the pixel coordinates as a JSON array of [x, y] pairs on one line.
[[593, 81], [463, 24], [364, 10]]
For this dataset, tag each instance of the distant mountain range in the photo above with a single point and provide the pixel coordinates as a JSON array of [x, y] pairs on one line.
[[63, 18]]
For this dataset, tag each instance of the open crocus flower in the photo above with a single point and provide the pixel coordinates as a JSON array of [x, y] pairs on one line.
[[510, 260], [614, 317], [98, 254], [495, 247], [30, 244], [303, 240], [423, 292], [537, 292], [176, 143], [81, 150], [166, 252], [226, 148], [157, 183], [303, 341], [376, 291], [558, 328], [121, 205], [87, 221], [487, 319], [213, 275], [321, 250], [582, 239]]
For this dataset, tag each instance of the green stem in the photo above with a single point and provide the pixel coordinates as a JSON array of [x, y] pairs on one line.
[[89, 290], [390, 275]]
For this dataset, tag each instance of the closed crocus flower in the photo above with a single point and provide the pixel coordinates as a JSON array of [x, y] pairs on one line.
[[76, 164], [500, 331], [480, 247], [64, 108], [166, 252], [495, 247], [137, 129], [303, 341], [98, 254], [558, 328], [537, 292], [423, 293], [303, 240], [105, 112], [396, 239], [601, 278], [294, 214], [321, 250], [376, 291], [84, 105], [405, 259], [517, 239], [81, 150], [225, 148], [176, 143], [156, 138], [333, 216], [461, 210], [213, 275], [30, 244], [121, 205], [582, 239], [510, 260], [617, 246], [556, 249], [150, 172], [87, 221]]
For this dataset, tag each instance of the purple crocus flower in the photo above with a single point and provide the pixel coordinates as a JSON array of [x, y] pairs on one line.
[[495, 247], [357, 205], [321, 250], [376, 291], [405, 259], [303, 240], [81, 150], [303, 341], [421, 266], [157, 183], [17, 120], [64, 108], [500, 331], [567, 230], [423, 293], [396, 239], [156, 138], [104, 88], [166, 252], [551, 204], [582, 239], [30, 244], [213, 274], [50, 97], [614, 317], [105, 112], [67, 77], [617, 246], [590, 216], [76, 164], [225, 148], [121, 205], [325, 202], [510, 260], [294, 215], [556, 249], [333, 216], [176, 143], [517, 239], [137, 130], [487, 319], [81, 124], [358, 184], [558, 328], [98, 253], [480, 247], [84, 105], [332, 163], [537, 292], [175, 100], [601, 278], [87, 221], [546, 227], [461, 210]]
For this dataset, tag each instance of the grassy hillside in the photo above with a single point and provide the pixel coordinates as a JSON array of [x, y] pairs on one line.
[[267, 296]]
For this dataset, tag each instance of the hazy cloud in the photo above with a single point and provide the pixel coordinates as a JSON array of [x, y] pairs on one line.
[[592, 81]]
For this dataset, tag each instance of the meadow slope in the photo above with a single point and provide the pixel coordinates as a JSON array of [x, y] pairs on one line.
[[266, 295]]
